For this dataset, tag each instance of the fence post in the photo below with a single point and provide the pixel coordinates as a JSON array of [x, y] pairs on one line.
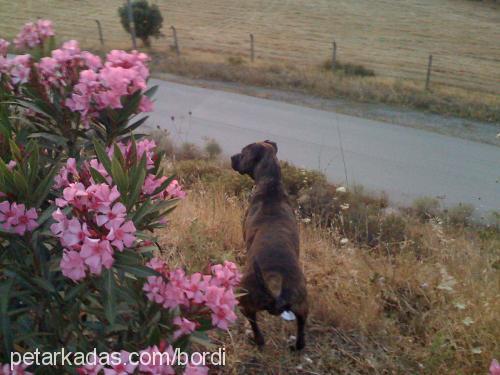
[[99, 29], [252, 50], [131, 23], [334, 55], [429, 68], [176, 42]]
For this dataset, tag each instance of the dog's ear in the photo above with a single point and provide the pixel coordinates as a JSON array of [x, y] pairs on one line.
[[275, 146]]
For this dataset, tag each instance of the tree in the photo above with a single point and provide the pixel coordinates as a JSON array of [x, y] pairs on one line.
[[147, 20]]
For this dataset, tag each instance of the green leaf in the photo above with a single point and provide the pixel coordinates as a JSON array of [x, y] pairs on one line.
[[137, 179], [139, 271], [151, 91], [44, 284], [119, 176], [98, 178], [102, 155], [128, 257], [44, 186], [117, 154], [5, 289], [163, 186], [20, 182], [75, 291], [109, 295]]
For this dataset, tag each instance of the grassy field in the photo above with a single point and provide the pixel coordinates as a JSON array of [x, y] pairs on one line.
[[413, 291], [394, 38]]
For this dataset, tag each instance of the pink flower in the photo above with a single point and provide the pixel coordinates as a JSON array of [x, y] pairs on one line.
[[145, 105], [72, 265], [75, 233], [196, 288], [17, 370], [103, 195], [154, 288], [90, 369], [19, 69], [61, 224], [213, 296], [12, 164], [121, 235], [174, 190], [7, 215], [112, 217], [494, 367], [151, 183], [223, 316], [157, 264], [226, 275], [26, 219], [92, 61], [96, 254], [33, 34], [186, 327], [4, 45], [158, 361], [15, 217], [195, 370], [63, 177], [122, 368], [99, 167], [75, 194]]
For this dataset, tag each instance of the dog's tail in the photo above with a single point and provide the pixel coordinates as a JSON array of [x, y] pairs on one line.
[[272, 285]]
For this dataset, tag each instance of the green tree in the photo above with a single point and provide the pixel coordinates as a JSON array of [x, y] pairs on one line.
[[147, 20]]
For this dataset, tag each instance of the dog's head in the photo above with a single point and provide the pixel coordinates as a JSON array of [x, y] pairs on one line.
[[247, 161]]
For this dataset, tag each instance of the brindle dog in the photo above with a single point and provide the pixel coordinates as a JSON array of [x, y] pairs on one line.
[[273, 279]]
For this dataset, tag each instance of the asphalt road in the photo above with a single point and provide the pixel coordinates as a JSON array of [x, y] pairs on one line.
[[404, 162]]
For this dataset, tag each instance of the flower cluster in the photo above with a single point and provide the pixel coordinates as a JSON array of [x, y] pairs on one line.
[[16, 369], [153, 356], [175, 289], [97, 228], [104, 86], [17, 68], [34, 34], [93, 85], [16, 218], [62, 68]]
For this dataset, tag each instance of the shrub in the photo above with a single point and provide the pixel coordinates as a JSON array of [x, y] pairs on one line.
[[459, 215], [349, 69], [189, 151], [147, 20], [297, 179], [80, 196], [426, 208], [235, 60], [212, 148]]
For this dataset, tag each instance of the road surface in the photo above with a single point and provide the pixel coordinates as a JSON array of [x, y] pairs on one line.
[[404, 162]]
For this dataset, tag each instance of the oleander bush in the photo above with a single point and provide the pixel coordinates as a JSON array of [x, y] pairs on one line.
[[80, 198]]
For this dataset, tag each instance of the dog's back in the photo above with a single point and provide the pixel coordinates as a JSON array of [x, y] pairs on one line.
[[273, 278]]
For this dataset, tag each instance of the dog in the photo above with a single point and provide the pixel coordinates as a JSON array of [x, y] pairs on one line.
[[272, 279]]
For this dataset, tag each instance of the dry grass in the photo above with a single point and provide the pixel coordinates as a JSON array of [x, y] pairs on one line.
[[435, 312], [314, 80], [392, 37]]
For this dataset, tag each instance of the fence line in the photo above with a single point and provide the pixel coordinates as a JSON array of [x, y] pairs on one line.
[[435, 69]]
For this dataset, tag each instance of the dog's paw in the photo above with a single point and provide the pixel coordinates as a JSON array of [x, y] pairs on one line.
[[299, 345], [260, 342]]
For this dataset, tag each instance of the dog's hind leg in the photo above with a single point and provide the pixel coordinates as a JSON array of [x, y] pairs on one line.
[[301, 314], [252, 318]]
